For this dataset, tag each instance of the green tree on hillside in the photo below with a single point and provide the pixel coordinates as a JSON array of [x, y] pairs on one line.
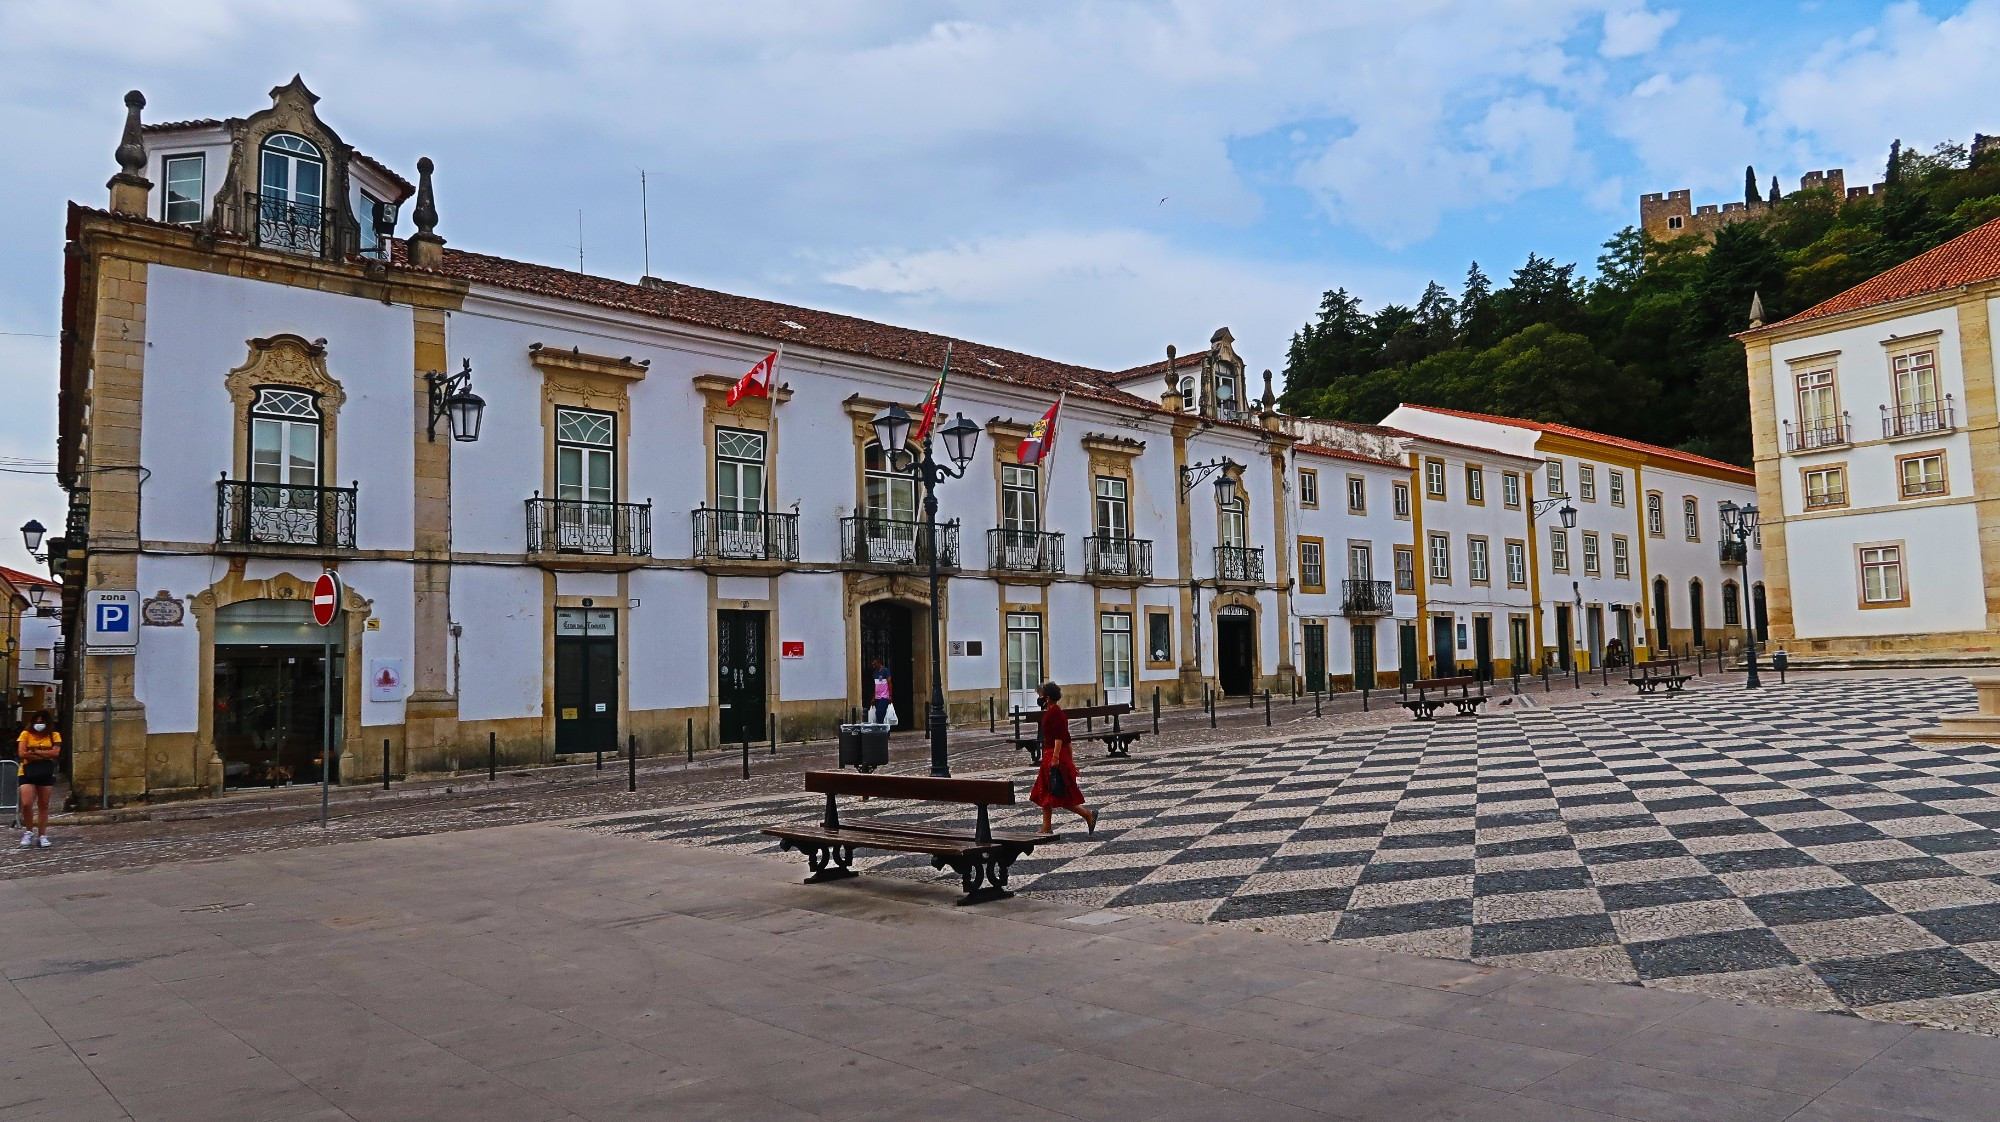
[[1643, 348]]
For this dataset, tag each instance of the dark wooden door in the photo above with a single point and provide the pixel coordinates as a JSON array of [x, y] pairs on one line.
[[1482, 646], [587, 694], [1364, 655], [1236, 653], [1444, 647], [1562, 636], [1406, 638], [1518, 654], [885, 634], [1315, 637], [740, 686]]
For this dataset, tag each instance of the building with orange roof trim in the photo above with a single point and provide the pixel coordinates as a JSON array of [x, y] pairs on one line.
[[1624, 539], [1877, 445]]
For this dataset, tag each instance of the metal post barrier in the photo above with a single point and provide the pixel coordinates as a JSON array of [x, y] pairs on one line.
[[1156, 710], [600, 757], [990, 725], [1267, 708], [1315, 703], [774, 734], [1514, 672], [1364, 699], [1604, 672], [690, 721], [492, 757], [1545, 675], [10, 790], [1211, 711], [385, 763], [746, 755], [631, 762]]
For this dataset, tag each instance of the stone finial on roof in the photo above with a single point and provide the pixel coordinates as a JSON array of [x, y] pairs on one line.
[[426, 248], [1756, 310], [130, 186], [1269, 399], [1172, 398]]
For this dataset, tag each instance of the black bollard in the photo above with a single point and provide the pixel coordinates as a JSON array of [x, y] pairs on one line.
[[1364, 699], [690, 741], [492, 757], [1211, 711], [631, 762], [774, 734], [1545, 675], [600, 757], [1315, 703], [990, 725], [746, 755], [385, 763], [1267, 708], [1156, 710]]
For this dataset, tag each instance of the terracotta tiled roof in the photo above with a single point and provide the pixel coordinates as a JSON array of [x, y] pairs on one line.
[[175, 126], [1344, 454], [1969, 258], [788, 323], [1189, 360], [1651, 451], [22, 580]]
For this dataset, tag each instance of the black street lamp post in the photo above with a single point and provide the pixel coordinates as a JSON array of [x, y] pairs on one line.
[[961, 439], [1740, 522]]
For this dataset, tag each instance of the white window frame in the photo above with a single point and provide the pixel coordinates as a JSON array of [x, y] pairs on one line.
[[1476, 568], [169, 201], [1593, 560], [1308, 487], [1517, 564], [1559, 550], [1438, 547], [1510, 489], [1586, 482], [1617, 487]]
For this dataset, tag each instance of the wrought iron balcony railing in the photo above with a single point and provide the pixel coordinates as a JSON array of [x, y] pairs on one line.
[[1816, 434], [1117, 557], [1916, 420], [270, 222], [1367, 598], [1239, 563], [867, 540], [745, 535], [577, 526], [1821, 500], [1024, 551], [248, 513], [1732, 552]]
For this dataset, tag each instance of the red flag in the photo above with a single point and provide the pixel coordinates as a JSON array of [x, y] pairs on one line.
[[1041, 440], [924, 422], [757, 383]]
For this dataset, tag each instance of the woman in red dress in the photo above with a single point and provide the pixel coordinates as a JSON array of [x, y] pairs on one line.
[[1055, 784]]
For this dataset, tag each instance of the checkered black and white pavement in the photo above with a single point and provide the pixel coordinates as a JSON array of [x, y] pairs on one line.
[[1791, 846]]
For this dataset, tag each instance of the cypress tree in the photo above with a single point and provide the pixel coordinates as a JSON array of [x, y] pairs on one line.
[[1751, 196]]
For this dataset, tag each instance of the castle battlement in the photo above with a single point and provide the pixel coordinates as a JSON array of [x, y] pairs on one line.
[[1666, 215]]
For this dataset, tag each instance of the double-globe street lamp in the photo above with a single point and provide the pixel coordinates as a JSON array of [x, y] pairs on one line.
[[1740, 523], [961, 439]]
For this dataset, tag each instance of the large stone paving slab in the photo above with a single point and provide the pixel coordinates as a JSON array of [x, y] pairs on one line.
[[540, 974], [1791, 846]]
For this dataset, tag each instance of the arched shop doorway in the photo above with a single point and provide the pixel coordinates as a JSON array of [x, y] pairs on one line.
[[270, 693]]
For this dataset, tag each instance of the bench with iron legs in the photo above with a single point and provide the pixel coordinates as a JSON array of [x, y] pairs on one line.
[[1117, 740], [1650, 676], [1433, 694], [980, 857]]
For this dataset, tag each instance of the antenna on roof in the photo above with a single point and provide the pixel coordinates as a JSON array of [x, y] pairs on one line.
[[645, 228]]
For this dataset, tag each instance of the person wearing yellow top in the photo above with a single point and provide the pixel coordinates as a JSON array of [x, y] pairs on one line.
[[39, 746]]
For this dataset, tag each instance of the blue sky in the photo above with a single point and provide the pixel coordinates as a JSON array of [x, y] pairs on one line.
[[1089, 181]]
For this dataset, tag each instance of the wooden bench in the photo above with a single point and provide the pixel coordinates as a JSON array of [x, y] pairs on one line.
[[1434, 694], [980, 857], [1117, 740], [1650, 676]]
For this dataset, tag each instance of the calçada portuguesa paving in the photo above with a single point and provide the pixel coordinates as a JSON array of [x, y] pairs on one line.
[[548, 972], [1791, 846]]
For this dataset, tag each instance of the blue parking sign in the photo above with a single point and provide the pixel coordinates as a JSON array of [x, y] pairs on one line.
[[112, 621], [114, 618]]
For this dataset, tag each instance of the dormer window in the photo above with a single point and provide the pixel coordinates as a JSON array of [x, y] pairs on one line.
[[1189, 402], [291, 196], [185, 188], [1225, 389]]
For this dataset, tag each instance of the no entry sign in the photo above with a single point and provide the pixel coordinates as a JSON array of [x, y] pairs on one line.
[[326, 599]]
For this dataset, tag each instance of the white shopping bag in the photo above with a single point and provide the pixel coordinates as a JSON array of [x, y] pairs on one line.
[[889, 715]]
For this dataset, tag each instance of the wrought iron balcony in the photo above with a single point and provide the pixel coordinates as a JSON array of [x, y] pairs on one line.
[[576, 526], [1117, 557], [867, 540], [1239, 563], [269, 222], [1916, 420], [1367, 598], [1825, 433], [1732, 552], [745, 535], [1024, 551], [248, 513], [1824, 499]]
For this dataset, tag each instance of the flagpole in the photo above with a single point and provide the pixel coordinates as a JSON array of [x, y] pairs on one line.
[[1049, 452]]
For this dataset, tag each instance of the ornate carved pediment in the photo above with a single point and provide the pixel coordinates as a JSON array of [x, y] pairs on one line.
[[292, 111], [286, 360]]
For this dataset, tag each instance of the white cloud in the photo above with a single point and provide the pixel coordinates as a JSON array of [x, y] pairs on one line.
[[1635, 31], [1109, 298], [1689, 132]]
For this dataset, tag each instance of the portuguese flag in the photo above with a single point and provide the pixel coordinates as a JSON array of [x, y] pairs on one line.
[[931, 403]]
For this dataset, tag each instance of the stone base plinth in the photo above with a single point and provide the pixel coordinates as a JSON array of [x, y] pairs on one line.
[[1981, 727]]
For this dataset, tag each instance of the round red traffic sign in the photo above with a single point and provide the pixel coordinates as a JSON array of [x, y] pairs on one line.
[[326, 599]]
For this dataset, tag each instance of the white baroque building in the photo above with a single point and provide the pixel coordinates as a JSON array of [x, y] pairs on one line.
[[258, 331]]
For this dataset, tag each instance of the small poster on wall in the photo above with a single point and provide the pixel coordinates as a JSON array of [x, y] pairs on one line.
[[385, 679]]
